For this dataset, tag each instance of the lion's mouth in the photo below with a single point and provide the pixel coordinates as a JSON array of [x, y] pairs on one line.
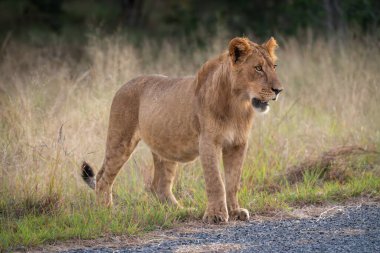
[[260, 105]]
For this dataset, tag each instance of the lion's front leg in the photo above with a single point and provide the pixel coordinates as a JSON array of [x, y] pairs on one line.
[[216, 211], [233, 158]]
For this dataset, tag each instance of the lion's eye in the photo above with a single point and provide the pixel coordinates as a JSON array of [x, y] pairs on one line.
[[259, 68], [275, 66]]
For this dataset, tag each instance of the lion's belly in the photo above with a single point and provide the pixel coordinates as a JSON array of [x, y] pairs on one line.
[[175, 150]]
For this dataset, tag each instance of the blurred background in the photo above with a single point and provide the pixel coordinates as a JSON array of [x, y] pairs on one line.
[[38, 20]]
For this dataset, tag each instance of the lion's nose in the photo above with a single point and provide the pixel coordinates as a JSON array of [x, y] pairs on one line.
[[277, 91]]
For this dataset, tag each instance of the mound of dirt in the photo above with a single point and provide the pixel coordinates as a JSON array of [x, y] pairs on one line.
[[330, 165]]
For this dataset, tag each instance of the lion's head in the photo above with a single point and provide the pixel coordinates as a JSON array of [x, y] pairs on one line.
[[253, 74]]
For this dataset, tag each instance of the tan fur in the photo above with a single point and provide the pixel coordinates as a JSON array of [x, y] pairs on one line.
[[209, 115]]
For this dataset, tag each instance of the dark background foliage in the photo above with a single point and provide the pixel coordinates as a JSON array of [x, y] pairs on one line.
[[37, 20]]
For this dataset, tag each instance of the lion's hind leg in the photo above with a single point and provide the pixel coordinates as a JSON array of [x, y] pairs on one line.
[[117, 153], [162, 184], [122, 138]]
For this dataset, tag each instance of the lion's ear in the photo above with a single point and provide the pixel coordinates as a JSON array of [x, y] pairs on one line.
[[239, 49], [271, 46]]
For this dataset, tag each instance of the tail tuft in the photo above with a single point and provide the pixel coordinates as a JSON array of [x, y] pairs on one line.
[[88, 175]]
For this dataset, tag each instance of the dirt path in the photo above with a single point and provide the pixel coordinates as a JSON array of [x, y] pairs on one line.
[[334, 229]]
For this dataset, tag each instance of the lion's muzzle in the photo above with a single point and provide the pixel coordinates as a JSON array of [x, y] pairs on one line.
[[276, 92]]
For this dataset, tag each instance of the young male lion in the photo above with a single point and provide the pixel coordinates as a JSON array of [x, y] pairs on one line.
[[208, 115]]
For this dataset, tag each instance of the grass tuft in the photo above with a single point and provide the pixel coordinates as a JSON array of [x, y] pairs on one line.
[[334, 164]]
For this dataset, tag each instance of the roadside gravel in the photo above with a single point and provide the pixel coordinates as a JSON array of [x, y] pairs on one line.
[[350, 229]]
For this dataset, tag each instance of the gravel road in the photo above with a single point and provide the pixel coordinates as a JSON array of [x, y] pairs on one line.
[[352, 229]]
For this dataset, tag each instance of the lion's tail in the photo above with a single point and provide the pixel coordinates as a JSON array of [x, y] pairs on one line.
[[88, 175]]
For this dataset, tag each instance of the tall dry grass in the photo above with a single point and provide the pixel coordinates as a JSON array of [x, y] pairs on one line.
[[54, 113]]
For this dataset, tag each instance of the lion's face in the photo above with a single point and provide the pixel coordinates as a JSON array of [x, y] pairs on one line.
[[253, 74]]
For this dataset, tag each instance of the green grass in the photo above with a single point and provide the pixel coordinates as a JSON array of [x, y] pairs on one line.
[[54, 113], [144, 213]]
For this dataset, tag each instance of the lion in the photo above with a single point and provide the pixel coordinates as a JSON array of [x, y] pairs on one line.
[[208, 115]]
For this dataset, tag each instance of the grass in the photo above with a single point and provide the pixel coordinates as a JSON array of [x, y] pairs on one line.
[[54, 111]]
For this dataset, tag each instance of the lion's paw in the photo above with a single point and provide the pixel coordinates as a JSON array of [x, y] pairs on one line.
[[240, 214], [215, 216], [104, 194]]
